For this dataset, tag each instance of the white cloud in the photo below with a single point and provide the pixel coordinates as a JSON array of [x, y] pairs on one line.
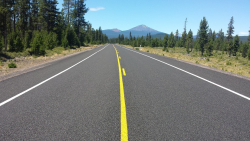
[[243, 33], [96, 9]]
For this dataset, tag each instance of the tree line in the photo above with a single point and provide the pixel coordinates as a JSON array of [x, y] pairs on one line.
[[38, 25], [205, 42]]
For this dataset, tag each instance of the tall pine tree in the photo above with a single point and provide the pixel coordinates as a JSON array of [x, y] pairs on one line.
[[203, 37]]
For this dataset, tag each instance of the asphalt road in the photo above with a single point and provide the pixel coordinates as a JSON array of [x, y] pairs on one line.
[[78, 98]]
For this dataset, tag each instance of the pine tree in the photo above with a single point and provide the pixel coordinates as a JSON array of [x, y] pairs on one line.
[[171, 40], [230, 30], [119, 39], [100, 34], [36, 43], [189, 42], [213, 36], [165, 42], [210, 33], [50, 40], [18, 44], [5, 16], [23, 16], [60, 27], [78, 16], [67, 7], [12, 42], [197, 36], [203, 37], [176, 35], [14, 12], [209, 47], [72, 37], [130, 36], [221, 35], [236, 45], [52, 13], [65, 42], [1, 45], [26, 40], [244, 50], [220, 40], [184, 34], [34, 16]]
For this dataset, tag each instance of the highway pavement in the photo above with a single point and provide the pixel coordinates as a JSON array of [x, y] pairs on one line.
[[117, 93]]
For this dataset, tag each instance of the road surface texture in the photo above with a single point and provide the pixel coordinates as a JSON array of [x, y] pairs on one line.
[[80, 98]]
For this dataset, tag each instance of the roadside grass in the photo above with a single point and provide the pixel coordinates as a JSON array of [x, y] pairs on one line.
[[219, 60], [25, 59]]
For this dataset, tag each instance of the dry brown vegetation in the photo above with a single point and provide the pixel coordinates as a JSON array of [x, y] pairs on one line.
[[25, 62]]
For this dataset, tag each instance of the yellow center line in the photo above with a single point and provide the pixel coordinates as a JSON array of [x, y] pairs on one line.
[[123, 70], [124, 129]]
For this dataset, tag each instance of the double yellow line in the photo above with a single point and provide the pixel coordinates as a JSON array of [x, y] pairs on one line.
[[124, 128]]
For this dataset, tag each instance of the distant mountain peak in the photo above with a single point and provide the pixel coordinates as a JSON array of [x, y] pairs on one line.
[[143, 28], [116, 30], [138, 31]]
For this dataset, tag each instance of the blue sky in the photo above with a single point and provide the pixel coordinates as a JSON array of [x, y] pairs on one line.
[[168, 15]]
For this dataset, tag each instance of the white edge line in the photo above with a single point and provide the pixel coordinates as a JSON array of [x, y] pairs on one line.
[[14, 97], [234, 92]]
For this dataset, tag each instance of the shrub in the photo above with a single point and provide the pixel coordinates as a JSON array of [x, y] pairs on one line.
[[58, 50], [1, 63], [12, 65], [137, 48], [228, 63], [27, 52], [147, 50], [49, 52], [207, 59]]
